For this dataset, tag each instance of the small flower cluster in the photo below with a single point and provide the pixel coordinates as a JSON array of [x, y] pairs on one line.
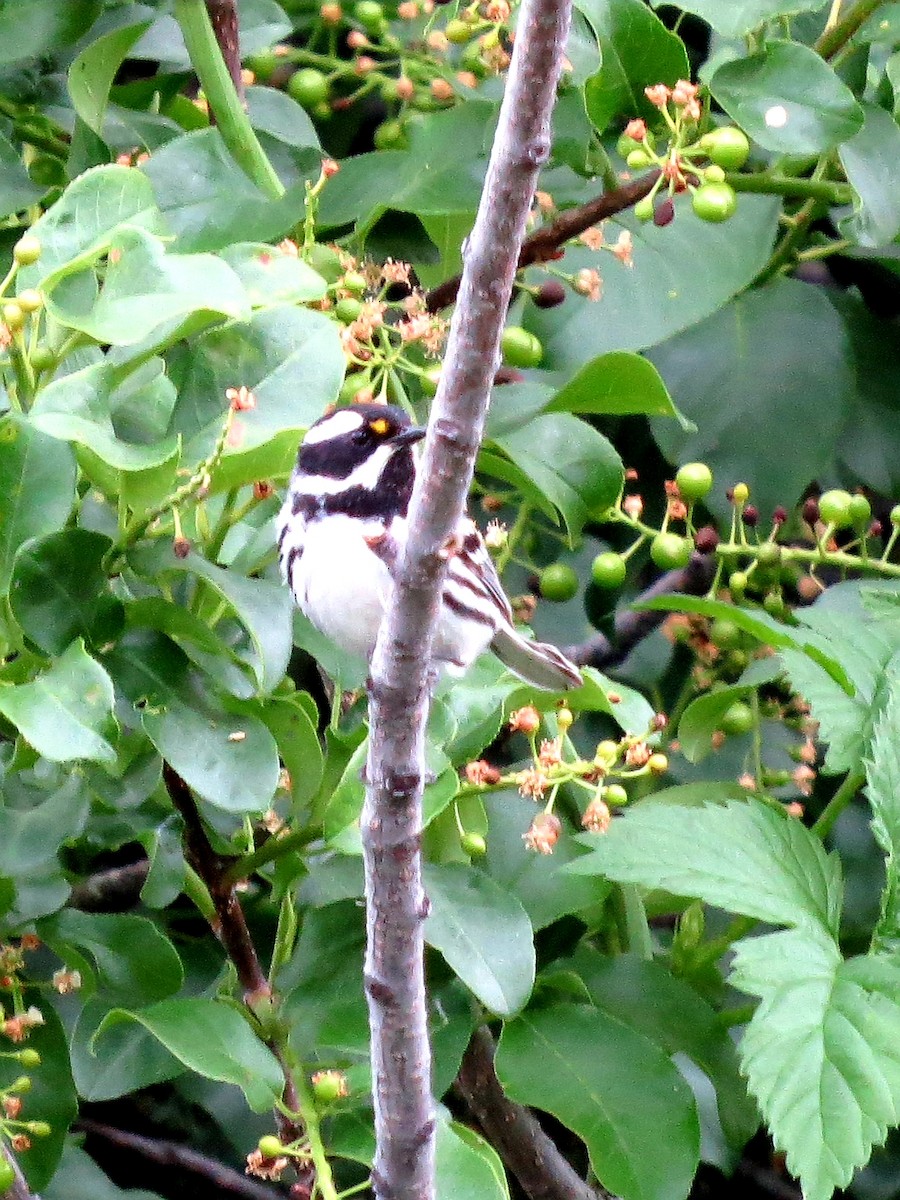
[[269, 1158], [554, 762]]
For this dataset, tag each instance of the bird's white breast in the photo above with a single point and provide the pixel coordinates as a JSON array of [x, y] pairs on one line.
[[340, 583]]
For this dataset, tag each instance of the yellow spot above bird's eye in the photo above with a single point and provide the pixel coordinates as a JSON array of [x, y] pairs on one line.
[[380, 426]]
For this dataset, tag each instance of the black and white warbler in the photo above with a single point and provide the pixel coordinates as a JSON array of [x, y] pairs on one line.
[[343, 526]]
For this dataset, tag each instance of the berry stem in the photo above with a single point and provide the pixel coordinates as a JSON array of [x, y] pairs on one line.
[[838, 802], [772, 184]]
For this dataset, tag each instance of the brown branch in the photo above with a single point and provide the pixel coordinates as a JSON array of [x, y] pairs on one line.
[[171, 1154], [633, 626], [514, 1131], [231, 926], [114, 890], [396, 905], [546, 241], [224, 20]]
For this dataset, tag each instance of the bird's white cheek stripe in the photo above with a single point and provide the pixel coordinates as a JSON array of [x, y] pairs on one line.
[[366, 475], [339, 423]]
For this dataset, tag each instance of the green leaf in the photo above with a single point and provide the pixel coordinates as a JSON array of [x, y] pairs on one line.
[[744, 857], [636, 50], [32, 466], [484, 934], [868, 158], [17, 192], [92, 73], [29, 28], [145, 287], [736, 18], [821, 1052], [214, 1040], [617, 384], [270, 276], [135, 963], [883, 790], [292, 360], [52, 1094], [668, 1011], [569, 463], [721, 380], [701, 719], [66, 713], [79, 1178], [229, 760], [788, 99], [297, 738], [681, 274], [83, 223], [128, 1057], [206, 203], [79, 408], [613, 1087], [466, 1167], [60, 591], [262, 607]]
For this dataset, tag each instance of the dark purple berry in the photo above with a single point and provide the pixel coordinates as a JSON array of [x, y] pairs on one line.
[[706, 539], [779, 516], [750, 516], [550, 294], [664, 213], [811, 510]]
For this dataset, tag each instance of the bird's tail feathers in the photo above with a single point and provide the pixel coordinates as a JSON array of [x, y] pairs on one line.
[[537, 663]]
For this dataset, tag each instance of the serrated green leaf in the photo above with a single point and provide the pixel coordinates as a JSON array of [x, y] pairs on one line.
[[32, 465], [788, 99], [744, 857], [214, 1040], [883, 791], [484, 934], [66, 713], [586, 1067], [821, 1053]]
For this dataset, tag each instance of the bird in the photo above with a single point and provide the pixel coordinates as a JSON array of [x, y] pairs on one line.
[[341, 532]]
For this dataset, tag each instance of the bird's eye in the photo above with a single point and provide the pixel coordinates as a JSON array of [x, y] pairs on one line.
[[360, 436]]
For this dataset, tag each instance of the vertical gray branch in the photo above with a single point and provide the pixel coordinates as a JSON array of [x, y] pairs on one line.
[[399, 692]]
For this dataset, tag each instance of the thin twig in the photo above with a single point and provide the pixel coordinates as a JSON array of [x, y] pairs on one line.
[[514, 1131], [633, 626], [401, 666], [18, 1189], [171, 1154], [544, 243]]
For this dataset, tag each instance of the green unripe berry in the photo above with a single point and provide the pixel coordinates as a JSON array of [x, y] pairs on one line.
[[329, 1086], [727, 147], [714, 174], [322, 111], [30, 300], [738, 584], [458, 32], [520, 348], [473, 844], [835, 508], [860, 512], [27, 250], [608, 570], [694, 481], [13, 315], [769, 555], [638, 159], [714, 202], [22, 1084], [643, 210], [43, 358], [370, 15], [390, 135], [724, 633], [351, 386], [348, 309], [355, 282], [737, 719], [308, 87], [558, 582], [740, 493], [263, 65], [895, 515], [7, 1174], [773, 603], [670, 552], [39, 1129], [269, 1146], [29, 1057], [615, 794]]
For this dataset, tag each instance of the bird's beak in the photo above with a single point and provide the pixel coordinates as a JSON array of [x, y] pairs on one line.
[[406, 437]]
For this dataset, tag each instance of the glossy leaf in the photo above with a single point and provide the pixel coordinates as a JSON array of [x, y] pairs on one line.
[[126, 1058], [745, 857], [701, 718], [65, 713], [585, 1068], [867, 159], [637, 51], [736, 18], [484, 934], [466, 1166], [214, 1040], [31, 465], [271, 277], [16, 189], [297, 739], [92, 72], [615, 385], [820, 1054], [681, 274], [60, 591], [720, 380], [34, 27], [788, 99]]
